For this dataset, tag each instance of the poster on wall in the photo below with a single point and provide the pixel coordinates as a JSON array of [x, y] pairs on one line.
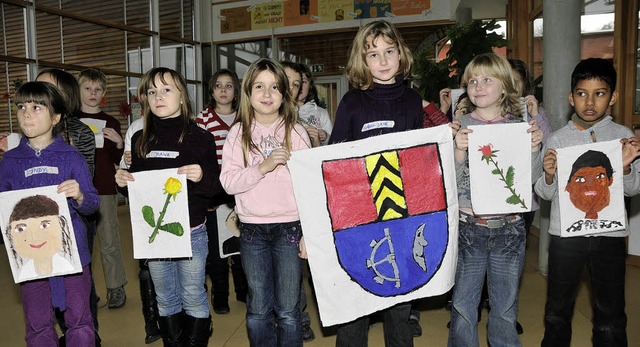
[[228, 231], [590, 188], [38, 234], [500, 168], [380, 220], [159, 209]]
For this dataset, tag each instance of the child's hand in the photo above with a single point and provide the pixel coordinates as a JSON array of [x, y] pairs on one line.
[[122, 177], [113, 136], [630, 151], [550, 165], [536, 136], [322, 135], [532, 105], [303, 249], [127, 157], [71, 189], [314, 135], [279, 156], [193, 172], [445, 99], [455, 126], [462, 139]]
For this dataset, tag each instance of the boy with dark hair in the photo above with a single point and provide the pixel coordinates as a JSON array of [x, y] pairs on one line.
[[109, 149], [592, 93]]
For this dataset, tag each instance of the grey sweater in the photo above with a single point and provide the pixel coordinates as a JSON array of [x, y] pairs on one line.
[[570, 135], [462, 168]]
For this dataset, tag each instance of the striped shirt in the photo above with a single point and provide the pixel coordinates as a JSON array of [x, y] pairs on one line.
[[217, 125]]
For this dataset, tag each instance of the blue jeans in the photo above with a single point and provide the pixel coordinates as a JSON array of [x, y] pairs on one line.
[[270, 260], [498, 253], [179, 283], [605, 259]]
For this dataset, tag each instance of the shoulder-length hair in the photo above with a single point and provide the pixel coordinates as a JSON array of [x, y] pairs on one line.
[[521, 68], [148, 81], [492, 64], [236, 87], [246, 115], [45, 94], [313, 91], [357, 70]]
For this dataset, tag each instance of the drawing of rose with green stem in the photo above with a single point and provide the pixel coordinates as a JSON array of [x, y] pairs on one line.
[[172, 187], [488, 153]]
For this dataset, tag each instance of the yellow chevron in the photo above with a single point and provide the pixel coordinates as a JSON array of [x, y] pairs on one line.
[[382, 189]]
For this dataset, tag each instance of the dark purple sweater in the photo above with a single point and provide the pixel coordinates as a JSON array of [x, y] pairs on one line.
[[387, 108]]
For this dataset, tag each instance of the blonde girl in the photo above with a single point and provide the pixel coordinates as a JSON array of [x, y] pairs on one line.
[[41, 159], [254, 170], [491, 245], [171, 139]]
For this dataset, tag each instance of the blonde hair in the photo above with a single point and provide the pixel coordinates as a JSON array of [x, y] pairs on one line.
[[148, 81], [357, 70], [93, 75], [246, 113], [492, 64]]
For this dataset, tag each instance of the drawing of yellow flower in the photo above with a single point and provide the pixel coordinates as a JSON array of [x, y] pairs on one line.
[[172, 186]]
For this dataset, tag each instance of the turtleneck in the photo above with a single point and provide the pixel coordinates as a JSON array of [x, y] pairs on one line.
[[388, 91], [168, 130], [581, 124]]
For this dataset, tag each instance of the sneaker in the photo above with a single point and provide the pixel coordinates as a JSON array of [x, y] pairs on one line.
[[307, 333], [116, 297]]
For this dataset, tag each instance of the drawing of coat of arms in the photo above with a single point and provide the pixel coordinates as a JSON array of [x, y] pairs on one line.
[[388, 215]]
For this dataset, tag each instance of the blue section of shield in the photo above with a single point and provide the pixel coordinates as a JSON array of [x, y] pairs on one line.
[[376, 272]]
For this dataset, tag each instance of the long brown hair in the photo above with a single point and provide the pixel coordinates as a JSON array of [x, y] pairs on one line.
[[149, 132], [246, 115]]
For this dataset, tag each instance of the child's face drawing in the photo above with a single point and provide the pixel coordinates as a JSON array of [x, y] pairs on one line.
[[91, 93], [484, 91], [591, 99], [36, 121], [223, 92], [164, 99], [588, 190], [383, 59], [37, 238], [265, 97]]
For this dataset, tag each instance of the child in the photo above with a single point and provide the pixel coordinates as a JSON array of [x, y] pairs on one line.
[[593, 91], [171, 139], [494, 100], [312, 116], [93, 87], [224, 90], [378, 64], [254, 170], [41, 113]]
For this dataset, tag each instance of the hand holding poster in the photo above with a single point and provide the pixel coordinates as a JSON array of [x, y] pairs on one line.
[[38, 234], [590, 189], [380, 220], [159, 210]]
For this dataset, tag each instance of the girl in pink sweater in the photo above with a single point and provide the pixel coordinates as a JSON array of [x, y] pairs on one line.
[[254, 159]]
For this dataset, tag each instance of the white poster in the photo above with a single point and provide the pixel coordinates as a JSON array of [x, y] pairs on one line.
[[96, 126], [591, 189], [380, 220], [500, 168], [228, 231], [159, 209], [38, 234]]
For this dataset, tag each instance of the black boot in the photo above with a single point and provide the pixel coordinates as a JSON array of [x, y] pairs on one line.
[[197, 331], [172, 330], [149, 306], [239, 279]]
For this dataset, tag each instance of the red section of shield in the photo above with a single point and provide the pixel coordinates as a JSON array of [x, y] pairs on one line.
[[422, 178], [348, 193]]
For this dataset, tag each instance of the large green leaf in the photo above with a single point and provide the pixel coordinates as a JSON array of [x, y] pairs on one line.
[[513, 200], [148, 215], [173, 228], [508, 179]]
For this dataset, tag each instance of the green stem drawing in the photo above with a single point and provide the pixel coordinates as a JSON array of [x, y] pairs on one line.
[[172, 187], [160, 218], [487, 155]]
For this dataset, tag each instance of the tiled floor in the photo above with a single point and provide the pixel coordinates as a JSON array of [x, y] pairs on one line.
[[125, 327]]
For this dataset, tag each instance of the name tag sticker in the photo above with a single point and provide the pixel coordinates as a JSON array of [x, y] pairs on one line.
[[52, 170], [163, 154], [378, 125]]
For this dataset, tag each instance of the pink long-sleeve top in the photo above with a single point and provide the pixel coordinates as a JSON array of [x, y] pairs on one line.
[[261, 199]]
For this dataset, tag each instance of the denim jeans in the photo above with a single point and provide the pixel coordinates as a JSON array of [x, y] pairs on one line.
[[397, 331], [498, 253], [180, 282], [270, 260], [605, 259]]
